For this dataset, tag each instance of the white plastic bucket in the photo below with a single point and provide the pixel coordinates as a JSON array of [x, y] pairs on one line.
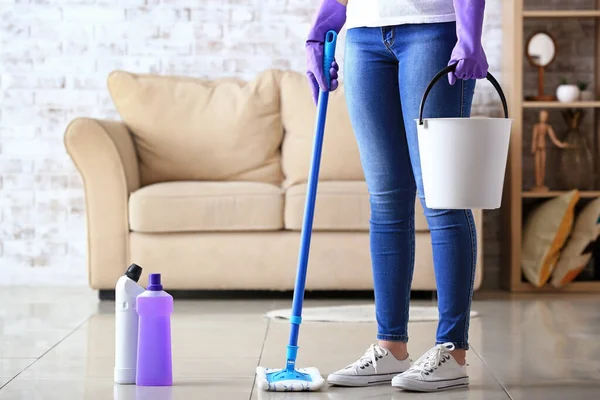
[[463, 160]]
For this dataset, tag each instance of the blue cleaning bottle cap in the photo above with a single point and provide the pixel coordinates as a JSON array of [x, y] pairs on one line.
[[154, 283]]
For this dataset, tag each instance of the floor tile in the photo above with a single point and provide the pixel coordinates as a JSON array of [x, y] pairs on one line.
[[94, 339], [215, 367], [538, 342], [190, 338], [30, 343], [48, 295], [103, 389], [191, 313], [220, 339], [53, 367], [194, 313], [10, 367], [556, 391], [61, 367], [34, 309], [35, 319], [383, 392]]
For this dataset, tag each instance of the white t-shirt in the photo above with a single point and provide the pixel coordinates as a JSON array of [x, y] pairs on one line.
[[375, 13]]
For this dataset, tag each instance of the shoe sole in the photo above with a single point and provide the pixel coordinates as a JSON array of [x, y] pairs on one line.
[[360, 381], [434, 386]]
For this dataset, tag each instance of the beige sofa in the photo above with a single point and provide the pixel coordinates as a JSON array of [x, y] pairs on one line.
[[204, 181]]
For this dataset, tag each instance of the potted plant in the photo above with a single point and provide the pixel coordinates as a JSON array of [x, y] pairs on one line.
[[567, 93], [585, 94]]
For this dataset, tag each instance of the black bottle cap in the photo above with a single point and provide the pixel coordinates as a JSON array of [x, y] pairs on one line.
[[134, 272]]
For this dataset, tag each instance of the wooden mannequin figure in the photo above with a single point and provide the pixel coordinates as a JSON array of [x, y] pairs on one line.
[[538, 149]]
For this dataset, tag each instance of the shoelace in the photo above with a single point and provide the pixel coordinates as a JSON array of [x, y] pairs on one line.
[[434, 358], [371, 356]]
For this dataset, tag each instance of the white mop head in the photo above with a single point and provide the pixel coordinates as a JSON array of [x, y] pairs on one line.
[[289, 385]]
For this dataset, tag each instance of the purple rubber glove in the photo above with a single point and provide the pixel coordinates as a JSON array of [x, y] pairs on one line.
[[468, 54], [330, 16]]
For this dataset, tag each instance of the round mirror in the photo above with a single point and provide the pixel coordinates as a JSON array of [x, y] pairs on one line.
[[541, 49]]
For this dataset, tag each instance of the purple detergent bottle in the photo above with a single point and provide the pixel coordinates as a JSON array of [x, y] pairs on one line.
[[154, 364]]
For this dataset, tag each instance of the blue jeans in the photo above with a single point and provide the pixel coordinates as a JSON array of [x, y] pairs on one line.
[[386, 72]]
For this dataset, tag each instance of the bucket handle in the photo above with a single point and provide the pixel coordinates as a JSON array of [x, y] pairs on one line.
[[452, 68]]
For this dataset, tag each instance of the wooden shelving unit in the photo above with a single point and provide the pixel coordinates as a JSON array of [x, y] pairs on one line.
[[584, 194], [556, 104], [573, 287], [562, 14], [514, 14]]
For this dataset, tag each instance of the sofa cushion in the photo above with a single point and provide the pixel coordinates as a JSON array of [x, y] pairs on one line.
[[340, 159], [206, 206], [190, 129], [341, 206]]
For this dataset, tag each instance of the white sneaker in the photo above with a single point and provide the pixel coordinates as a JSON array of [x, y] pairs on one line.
[[436, 370], [376, 366]]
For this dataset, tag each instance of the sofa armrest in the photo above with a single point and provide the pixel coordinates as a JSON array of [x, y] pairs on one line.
[[104, 154]]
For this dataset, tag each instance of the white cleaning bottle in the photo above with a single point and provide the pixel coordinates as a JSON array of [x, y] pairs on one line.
[[126, 325]]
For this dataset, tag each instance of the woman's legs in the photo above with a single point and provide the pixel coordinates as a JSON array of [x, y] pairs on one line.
[[423, 50], [385, 128], [386, 72], [373, 98]]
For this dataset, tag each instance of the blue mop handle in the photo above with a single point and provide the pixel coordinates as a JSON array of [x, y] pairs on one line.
[[328, 59], [311, 195]]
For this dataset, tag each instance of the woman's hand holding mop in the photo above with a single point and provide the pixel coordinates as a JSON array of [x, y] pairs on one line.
[[331, 16]]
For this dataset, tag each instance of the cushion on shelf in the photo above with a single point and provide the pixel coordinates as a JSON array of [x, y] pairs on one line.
[[206, 206], [191, 129], [578, 250], [544, 234], [341, 206]]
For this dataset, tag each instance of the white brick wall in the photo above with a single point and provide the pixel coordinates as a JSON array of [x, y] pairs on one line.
[[55, 56]]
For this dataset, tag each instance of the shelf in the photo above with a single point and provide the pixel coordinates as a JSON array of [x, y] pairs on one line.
[[556, 104], [577, 287], [546, 195], [519, 200], [561, 14]]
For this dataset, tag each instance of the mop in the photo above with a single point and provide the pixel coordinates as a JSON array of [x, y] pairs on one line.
[[291, 379]]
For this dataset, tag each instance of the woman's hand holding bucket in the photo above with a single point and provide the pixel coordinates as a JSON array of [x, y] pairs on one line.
[[468, 54]]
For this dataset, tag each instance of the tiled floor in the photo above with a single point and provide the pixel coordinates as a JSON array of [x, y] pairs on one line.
[[58, 344]]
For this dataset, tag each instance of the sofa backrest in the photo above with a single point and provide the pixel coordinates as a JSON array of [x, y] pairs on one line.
[[340, 157], [190, 129]]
